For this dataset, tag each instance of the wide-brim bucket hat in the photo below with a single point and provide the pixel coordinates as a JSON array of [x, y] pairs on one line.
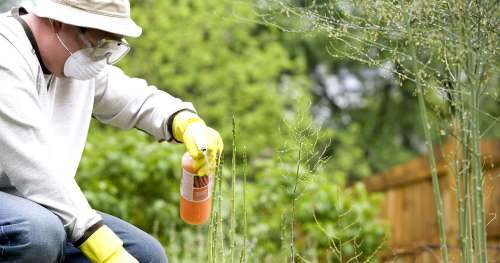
[[107, 15]]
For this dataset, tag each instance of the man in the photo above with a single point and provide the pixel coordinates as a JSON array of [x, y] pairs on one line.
[[56, 72]]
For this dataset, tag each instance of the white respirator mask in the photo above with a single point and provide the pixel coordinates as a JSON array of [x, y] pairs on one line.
[[80, 65], [88, 62]]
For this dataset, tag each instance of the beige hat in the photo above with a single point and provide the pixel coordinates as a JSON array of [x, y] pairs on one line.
[[106, 15]]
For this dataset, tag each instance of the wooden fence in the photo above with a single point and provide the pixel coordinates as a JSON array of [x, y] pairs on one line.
[[409, 209]]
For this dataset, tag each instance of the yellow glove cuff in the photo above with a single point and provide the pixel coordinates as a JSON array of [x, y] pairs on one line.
[[102, 244], [121, 256], [181, 121]]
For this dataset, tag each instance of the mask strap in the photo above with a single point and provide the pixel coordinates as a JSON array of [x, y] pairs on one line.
[[60, 41]]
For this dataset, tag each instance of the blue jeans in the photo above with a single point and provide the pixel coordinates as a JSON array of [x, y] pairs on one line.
[[30, 233]]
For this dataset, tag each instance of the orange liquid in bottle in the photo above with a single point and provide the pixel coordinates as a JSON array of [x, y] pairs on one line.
[[196, 194]]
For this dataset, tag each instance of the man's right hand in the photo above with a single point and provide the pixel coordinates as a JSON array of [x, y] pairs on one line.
[[104, 246], [190, 129]]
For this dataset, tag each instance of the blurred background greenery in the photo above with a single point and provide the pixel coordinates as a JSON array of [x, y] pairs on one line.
[[282, 88]]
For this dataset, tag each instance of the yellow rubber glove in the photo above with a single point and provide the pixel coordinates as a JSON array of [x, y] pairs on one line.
[[190, 129], [104, 246]]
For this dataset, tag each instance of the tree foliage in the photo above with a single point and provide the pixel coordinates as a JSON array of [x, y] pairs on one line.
[[198, 51]]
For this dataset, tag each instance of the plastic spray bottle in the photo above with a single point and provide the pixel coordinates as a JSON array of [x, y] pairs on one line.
[[196, 194]]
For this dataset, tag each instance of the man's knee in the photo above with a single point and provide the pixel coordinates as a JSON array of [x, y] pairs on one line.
[[47, 232], [34, 238], [148, 250]]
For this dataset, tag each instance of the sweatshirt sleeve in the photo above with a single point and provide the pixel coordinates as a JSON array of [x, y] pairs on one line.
[[25, 152], [130, 102]]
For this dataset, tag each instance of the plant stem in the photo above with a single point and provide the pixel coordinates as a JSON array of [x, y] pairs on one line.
[[459, 197], [480, 227], [476, 76], [431, 158], [461, 169], [212, 227], [294, 196], [245, 226], [427, 134], [233, 201], [467, 234], [219, 216], [461, 26]]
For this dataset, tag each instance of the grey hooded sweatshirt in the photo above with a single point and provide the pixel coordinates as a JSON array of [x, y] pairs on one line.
[[44, 122]]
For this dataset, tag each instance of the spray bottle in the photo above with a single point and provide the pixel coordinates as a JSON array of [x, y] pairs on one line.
[[196, 193]]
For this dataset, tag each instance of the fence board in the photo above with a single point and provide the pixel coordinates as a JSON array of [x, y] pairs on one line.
[[409, 206]]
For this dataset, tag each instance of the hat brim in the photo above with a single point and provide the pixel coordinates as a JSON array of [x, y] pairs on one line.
[[78, 17]]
